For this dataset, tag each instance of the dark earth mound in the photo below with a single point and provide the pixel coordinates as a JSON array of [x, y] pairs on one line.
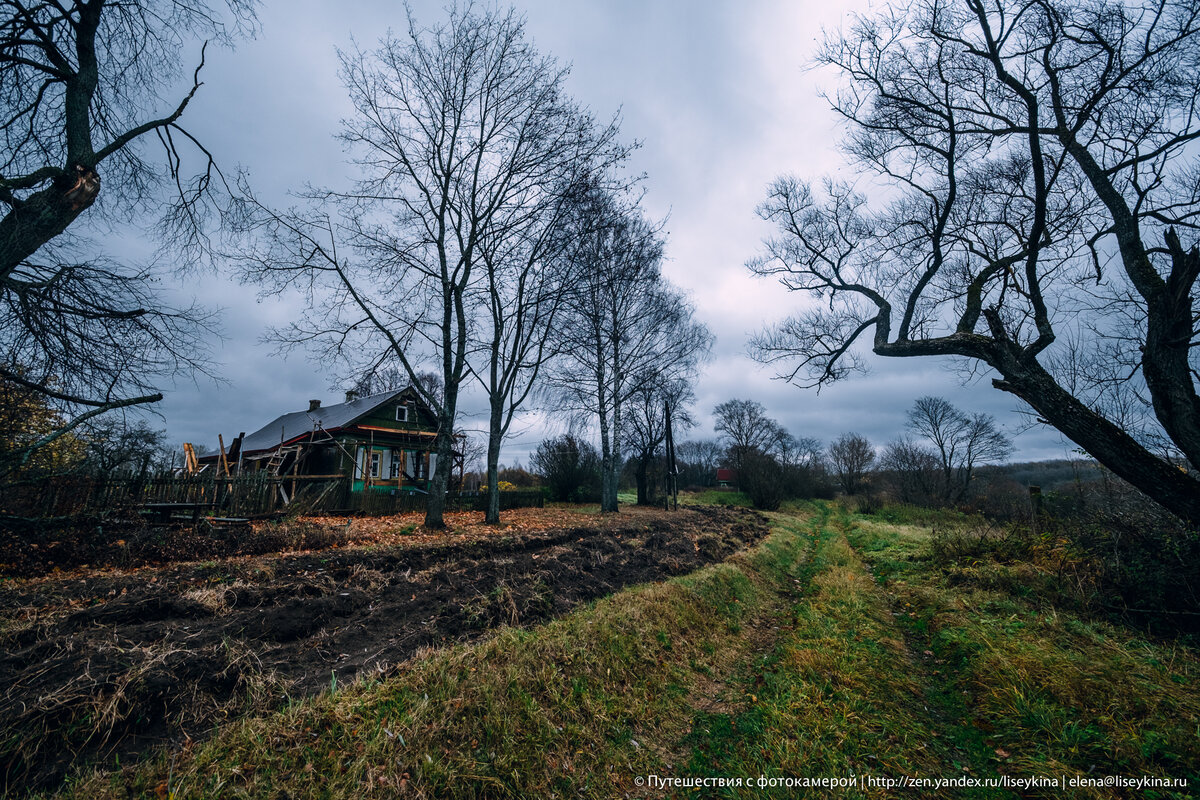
[[126, 540]]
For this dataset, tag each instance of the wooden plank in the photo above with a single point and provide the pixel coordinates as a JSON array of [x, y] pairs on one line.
[[419, 434], [224, 462]]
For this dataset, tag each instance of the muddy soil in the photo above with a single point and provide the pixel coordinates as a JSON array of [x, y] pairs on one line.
[[94, 667], [126, 541]]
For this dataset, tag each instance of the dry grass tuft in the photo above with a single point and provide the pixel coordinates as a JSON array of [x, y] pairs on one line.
[[216, 599]]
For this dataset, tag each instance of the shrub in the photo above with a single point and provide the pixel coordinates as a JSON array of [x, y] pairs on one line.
[[569, 468], [763, 480]]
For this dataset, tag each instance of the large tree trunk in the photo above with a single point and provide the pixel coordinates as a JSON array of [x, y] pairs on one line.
[[42, 217], [1165, 356], [615, 463], [1169, 319], [1169, 485], [439, 482], [444, 445]]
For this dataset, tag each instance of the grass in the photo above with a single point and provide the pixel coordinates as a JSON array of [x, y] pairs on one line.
[[717, 497], [836, 695], [908, 514], [1049, 692], [838, 647]]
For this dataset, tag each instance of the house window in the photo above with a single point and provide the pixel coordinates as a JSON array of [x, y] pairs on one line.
[[401, 413], [397, 463], [375, 454]]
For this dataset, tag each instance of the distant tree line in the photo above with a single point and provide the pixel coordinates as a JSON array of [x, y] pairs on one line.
[[935, 462]]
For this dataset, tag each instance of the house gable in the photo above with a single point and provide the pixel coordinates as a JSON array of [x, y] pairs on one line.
[[418, 416]]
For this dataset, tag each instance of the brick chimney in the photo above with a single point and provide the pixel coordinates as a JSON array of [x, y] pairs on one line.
[[313, 405]]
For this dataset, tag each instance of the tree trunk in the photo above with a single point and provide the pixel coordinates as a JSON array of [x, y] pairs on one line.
[[492, 516], [614, 461], [608, 492], [947, 490], [41, 218], [1165, 363], [643, 483], [1158, 479], [440, 480]]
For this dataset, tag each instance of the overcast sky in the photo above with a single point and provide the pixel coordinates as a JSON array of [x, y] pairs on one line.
[[720, 96]]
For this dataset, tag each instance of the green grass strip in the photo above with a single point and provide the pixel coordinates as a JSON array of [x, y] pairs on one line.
[[1046, 692], [835, 698]]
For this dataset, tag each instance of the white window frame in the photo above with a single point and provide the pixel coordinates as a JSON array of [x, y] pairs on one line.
[[401, 413], [396, 465], [376, 457]]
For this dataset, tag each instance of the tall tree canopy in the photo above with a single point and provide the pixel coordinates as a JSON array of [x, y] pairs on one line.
[[625, 329], [90, 116], [445, 254], [1039, 198]]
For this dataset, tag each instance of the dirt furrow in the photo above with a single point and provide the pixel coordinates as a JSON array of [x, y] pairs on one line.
[[100, 665]]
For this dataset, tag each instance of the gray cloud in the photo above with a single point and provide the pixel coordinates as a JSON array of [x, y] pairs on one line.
[[717, 92]]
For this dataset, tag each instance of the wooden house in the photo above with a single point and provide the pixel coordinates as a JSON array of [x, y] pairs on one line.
[[383, 442]]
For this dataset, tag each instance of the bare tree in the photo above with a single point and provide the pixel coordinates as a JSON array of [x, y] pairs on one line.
[[961, 442], [568, 466], [122, 445], [646, 430], [466, 144], [1039, 162], [912, 470], [804, 465], [526, 252], [699, 459], [984, 443], [624, 328], [79, 82], [745, 427], [390, 378], [804, 452], [851, 457]]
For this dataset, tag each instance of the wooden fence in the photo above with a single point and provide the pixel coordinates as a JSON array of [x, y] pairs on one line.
[[385, 503], [250, 495]]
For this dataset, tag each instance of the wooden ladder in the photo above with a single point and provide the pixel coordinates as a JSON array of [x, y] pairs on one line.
[[280, 455]]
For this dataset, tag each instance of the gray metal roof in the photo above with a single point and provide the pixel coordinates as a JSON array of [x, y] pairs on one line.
[[299, 423]]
